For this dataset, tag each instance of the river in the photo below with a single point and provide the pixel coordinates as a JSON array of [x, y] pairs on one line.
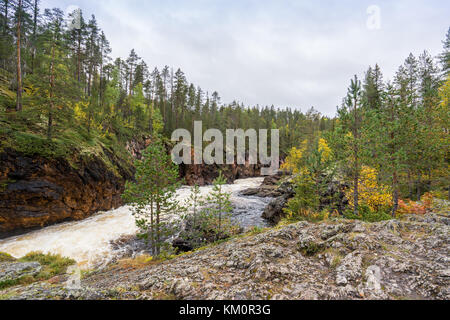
[[89, 241]]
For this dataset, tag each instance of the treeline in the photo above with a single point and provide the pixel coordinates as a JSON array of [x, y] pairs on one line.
[[398, 127], [65, 77], [53, 78], [390, 143]]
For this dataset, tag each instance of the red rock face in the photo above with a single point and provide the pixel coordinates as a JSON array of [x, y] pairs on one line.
[[36, 192], [205, 174]]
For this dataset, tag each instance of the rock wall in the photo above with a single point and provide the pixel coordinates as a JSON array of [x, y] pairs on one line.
[[36, 192], [205, 174]]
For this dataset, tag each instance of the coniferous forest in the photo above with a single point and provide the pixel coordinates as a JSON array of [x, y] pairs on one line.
[[66, 103]]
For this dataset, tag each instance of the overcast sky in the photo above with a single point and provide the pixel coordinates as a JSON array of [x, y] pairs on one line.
[[292, 53]]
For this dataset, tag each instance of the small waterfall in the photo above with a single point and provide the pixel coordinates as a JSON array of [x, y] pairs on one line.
[[89, 241]]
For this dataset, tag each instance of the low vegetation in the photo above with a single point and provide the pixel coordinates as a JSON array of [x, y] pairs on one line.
[[51, 266], [4, 257]]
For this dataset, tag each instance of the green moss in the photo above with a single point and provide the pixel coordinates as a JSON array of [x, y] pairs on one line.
[[4, 257], [6, 296], [256, 231], [367, 215], [9, 283], [16, 282], [52, 265], [26, 134], [311, 248]]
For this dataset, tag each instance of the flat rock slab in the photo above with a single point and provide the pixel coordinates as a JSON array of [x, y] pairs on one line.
[[17, 270]]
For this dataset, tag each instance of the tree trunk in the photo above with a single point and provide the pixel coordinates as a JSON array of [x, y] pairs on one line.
[[19, 59], [356, 158], [152, 227], [5, 17], [158, 231], [419, 183], [33, 50], [100, 86], [52, 84], [79, 56], [395, 193], [356, 191], [131, 81], [5, 27], [89, 81], [173, 106], [394, 162], [410, 185]]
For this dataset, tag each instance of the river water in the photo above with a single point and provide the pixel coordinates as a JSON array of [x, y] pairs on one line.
[[89, 241]]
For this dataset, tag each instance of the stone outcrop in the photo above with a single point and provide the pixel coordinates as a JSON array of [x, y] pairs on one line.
[[338, 259], [274, 211], [278, 187], [12, 271], [341, 259], [205, 174], [36, 192], [282, 189], [136, 146]]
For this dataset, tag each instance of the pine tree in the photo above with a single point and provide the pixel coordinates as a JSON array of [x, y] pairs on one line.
[[392, 137], [445, 56], [429, 83], [373, 88], [6, 38], [179, 97], [406, 81], [152, 196], [52, 83], [36, 17], [92, 52], [347, 140], [21, 12], [218, 203]]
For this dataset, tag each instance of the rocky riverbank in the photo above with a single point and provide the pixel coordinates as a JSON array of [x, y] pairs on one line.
[[36, 191], [280, 188], [338, 259]]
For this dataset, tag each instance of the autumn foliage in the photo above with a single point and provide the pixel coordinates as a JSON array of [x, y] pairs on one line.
[[376, 196], [413, 207]]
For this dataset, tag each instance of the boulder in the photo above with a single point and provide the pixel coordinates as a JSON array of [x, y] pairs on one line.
[[262, 192], [274, 211]]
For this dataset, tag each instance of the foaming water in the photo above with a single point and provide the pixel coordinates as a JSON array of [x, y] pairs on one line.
[[89, 241]]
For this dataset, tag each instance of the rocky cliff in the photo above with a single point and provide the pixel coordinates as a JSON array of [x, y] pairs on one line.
[[36, 191], [205, 174]]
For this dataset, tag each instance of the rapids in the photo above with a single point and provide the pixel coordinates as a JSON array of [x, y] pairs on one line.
[[89, 241]]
